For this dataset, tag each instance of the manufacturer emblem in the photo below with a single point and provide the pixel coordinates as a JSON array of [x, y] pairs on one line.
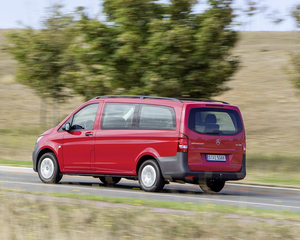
[[218, 141]]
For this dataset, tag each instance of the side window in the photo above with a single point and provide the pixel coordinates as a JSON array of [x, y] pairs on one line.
[[84, 119], [118, 116], [157, 117]]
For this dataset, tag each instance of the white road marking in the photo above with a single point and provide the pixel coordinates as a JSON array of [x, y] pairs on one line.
[[261, 186], [16, 169]]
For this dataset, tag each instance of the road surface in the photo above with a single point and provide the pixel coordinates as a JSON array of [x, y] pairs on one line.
[[240, 195]]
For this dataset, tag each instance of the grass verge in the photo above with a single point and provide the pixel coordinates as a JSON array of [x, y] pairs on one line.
[[28, 218], [273, 169], [15, 163]]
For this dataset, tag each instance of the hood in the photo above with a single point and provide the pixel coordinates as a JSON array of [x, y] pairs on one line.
[[48, 131]]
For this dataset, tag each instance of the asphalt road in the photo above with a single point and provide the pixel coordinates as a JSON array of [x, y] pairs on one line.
[[240, 195]]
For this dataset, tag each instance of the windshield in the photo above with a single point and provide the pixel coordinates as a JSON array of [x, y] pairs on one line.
[[215, 121]]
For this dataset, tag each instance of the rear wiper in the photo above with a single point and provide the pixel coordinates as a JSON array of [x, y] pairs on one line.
[[214, 132]]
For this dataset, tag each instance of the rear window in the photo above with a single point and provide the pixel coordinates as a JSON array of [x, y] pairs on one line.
[[215, 121]]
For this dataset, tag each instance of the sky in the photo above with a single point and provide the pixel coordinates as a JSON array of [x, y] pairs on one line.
[[30, 12]]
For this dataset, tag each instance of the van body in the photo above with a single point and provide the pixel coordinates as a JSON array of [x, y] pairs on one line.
[[150, 139]]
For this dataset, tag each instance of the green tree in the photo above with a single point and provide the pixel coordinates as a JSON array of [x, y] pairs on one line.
[[150, 48], [42, 57]]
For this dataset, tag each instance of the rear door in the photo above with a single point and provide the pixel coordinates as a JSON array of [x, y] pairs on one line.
[[216, 138]]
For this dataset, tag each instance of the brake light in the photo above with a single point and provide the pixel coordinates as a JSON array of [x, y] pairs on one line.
[[182, 143]]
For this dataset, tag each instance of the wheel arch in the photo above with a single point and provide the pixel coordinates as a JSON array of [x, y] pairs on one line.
[[42, 152], [145, 158]]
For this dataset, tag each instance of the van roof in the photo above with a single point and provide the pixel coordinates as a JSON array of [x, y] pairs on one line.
[[181, 100]]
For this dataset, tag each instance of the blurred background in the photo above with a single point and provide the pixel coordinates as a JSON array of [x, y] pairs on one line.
[[259, 67]]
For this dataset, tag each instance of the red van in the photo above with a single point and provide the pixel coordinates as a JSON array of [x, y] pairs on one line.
[[150, 139]]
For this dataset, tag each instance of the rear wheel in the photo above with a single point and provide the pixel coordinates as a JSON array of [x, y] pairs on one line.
[[110, 180], [212, 185], [48, 169], [150, 177]]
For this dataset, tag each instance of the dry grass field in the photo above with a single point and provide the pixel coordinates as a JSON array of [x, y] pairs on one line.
[[264, 92], [261, 88]]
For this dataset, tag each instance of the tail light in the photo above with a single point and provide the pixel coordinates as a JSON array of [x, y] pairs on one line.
[[182, 143], [244, 147]]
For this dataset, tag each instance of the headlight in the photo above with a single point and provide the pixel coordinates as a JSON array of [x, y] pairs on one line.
[[39, 138]]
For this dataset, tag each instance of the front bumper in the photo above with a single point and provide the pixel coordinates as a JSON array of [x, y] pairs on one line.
[[176, 168], [35, 155]]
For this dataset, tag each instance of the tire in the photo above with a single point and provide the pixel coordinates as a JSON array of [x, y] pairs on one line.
[[212, 186], [150, 177], [48, 169], [109, 180]]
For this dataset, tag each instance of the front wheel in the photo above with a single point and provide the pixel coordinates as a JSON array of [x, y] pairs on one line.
[[48, 169], [212, 185], [150, 177]]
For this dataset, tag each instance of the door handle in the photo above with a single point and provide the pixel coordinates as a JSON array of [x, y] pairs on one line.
[[88, 134]]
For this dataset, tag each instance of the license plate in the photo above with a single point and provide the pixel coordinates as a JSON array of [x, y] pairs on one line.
[[216, 158]]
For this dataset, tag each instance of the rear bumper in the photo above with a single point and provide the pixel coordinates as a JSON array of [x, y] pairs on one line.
[[176, 168]]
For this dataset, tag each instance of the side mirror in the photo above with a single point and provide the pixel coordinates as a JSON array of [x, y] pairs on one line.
[[67, 127]]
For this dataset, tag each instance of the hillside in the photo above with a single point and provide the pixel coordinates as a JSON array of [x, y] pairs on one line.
[[261, 88]]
